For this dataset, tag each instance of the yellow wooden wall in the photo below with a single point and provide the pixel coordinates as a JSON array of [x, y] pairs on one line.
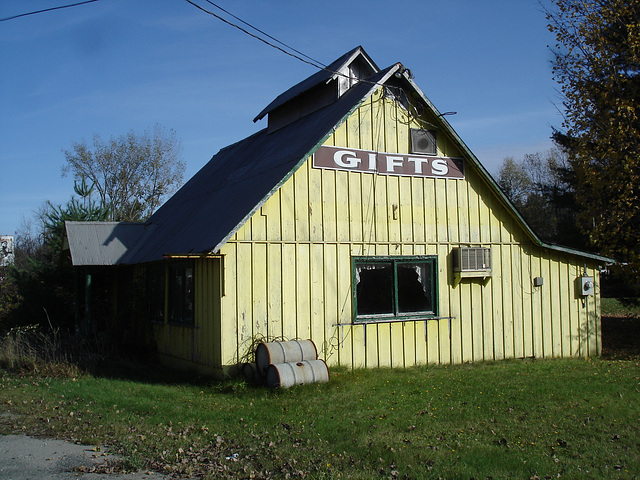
[[287, 271], [196, 345]]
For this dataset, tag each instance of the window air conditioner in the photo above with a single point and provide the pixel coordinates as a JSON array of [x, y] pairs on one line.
[[472, 261]]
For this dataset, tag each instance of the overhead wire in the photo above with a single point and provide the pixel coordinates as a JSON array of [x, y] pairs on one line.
[[46, 10], [266, 34], [253, 35], [297, 55], [310, 60]]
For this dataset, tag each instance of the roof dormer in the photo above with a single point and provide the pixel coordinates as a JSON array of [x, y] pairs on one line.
[[320, 89]]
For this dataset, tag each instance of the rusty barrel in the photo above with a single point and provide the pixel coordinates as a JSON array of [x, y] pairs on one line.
[[283, 375], [284, 352]]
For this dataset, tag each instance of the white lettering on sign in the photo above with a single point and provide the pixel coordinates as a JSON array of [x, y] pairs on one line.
[[346, 159], [393, 163], [373, 161], [439, 167], [418, 163], [352, 159]]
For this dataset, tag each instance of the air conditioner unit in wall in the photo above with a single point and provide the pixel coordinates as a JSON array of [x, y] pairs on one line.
[[472, 261]]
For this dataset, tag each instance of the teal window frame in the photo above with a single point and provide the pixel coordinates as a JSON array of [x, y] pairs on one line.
[[389, 285]]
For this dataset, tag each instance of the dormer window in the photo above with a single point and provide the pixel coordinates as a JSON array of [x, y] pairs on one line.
[[320, 89], [352, 74]]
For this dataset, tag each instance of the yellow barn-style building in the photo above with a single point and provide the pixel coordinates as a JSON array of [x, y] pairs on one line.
[[356, 218]]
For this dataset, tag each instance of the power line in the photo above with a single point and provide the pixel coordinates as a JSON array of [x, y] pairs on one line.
[[311, 61], [265, 33], [46, 10], [314, 63]]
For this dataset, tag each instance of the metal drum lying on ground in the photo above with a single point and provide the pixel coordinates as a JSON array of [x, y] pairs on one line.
[[250, 372], [283, 375], [284, 352]]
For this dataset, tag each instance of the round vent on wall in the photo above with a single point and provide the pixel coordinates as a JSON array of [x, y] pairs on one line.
[[423, 141]]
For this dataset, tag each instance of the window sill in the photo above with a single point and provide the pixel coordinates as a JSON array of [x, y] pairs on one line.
[[368, 321]]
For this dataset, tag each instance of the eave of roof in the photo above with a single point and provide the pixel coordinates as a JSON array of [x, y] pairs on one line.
[[101, 243]]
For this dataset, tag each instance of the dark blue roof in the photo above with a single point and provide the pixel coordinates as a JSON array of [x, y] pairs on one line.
[[218, 199]]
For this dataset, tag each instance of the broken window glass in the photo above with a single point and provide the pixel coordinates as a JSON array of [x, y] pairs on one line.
[[394, 287]]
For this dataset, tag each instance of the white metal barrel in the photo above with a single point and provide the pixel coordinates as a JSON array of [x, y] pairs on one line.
[[284, 352], [283, 375]]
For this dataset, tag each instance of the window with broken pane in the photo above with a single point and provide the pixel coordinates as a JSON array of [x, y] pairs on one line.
[[394, 287]]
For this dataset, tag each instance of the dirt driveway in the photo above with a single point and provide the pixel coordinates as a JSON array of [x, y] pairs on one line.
[[28, 458]]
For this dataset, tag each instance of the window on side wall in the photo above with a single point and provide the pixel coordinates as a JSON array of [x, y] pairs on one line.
[[181, 296], [156, 286], [394, 288]]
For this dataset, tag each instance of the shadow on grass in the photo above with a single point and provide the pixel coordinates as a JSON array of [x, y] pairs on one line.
[[147, 370], [37, 353], [630, 302], [32, 352], [621, 337]]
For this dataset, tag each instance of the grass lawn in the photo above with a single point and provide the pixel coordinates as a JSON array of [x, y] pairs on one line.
[[621, 307], [525, 419]]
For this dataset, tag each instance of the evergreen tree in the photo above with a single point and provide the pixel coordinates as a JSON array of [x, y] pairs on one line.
[[84, 208]]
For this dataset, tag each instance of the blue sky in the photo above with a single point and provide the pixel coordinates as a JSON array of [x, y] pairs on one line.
[[117, 65]]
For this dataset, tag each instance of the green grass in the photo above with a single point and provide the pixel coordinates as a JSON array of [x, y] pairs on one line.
[[621, 307], [514, 419]]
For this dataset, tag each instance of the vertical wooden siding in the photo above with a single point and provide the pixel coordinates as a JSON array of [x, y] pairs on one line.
[[288, 269], [197, 344]]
